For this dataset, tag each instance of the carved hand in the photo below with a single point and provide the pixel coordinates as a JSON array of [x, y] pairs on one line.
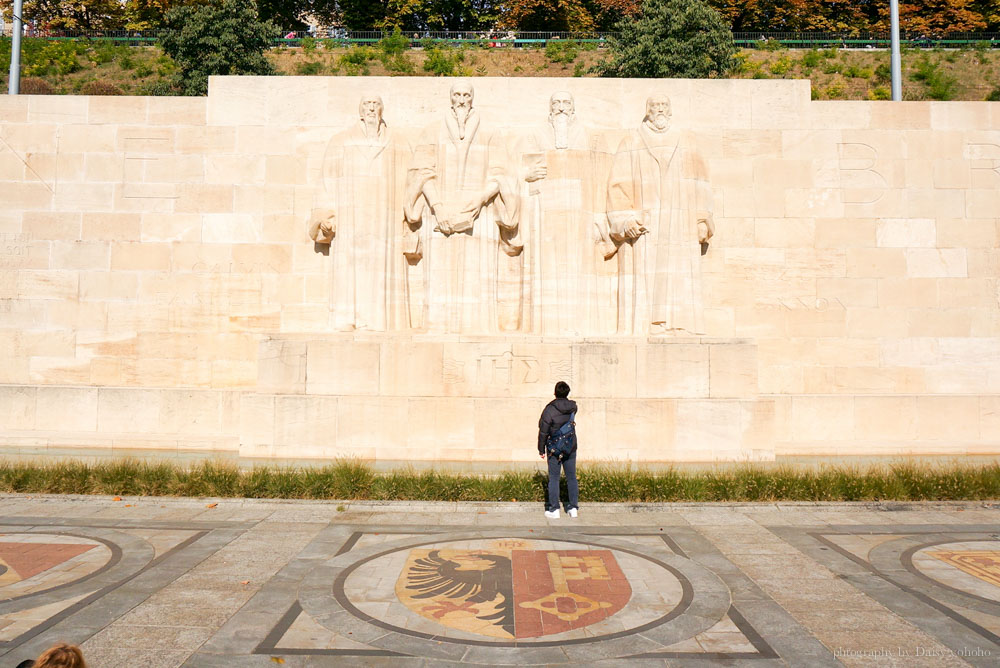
[[536, 173], [634, 230], [323, 225], [702, 232]]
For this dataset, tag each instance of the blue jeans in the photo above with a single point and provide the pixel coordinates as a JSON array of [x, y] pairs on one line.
[[569, 466]]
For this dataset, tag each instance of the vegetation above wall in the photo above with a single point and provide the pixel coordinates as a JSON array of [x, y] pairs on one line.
[[104, 68], [353, 480]]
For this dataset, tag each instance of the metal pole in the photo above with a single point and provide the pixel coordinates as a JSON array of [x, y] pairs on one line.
[[897, 69], [14, 81]]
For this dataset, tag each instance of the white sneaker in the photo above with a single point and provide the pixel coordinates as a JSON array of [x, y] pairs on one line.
[[572, 512], [552, 514]]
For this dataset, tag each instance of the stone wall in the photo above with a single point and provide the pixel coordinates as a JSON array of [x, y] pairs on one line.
[[158, 287]]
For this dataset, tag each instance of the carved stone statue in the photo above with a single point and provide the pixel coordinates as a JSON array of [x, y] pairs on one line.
[[565, 170], [357, 216], [461, 212], [659, 211]]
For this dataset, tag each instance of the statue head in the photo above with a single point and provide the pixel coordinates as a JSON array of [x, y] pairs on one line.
[[462, 95], [658, 112], [370, 109], [561, 103]]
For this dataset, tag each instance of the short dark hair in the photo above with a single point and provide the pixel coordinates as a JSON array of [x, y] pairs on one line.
[[562, 390]]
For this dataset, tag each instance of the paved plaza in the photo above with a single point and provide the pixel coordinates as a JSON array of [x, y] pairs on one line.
[[212, 582]]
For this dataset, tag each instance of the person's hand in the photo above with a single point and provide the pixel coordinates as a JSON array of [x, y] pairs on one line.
[[542, 455]]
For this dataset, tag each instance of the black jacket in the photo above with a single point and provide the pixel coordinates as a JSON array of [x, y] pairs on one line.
[[555, 415]]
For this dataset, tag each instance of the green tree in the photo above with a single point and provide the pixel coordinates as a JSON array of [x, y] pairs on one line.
[[671, 38], [223, 37]]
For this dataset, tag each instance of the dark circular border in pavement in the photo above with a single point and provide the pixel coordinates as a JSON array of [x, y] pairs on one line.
[[128, 555], [895, 558], [705, 600]]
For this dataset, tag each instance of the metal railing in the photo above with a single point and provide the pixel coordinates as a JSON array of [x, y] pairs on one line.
[[510, 38], [861, 40]]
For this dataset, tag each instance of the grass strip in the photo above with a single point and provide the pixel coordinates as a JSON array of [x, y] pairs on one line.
[[352, 480]]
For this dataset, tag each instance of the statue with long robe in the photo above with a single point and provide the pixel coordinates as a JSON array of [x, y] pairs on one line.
[[660, 215], [462, 235], [565, 171], [357, 217]]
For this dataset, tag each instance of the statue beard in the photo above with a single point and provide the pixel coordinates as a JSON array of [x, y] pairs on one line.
[[658, 122], [462, 113], [372, 123], [560, 124]]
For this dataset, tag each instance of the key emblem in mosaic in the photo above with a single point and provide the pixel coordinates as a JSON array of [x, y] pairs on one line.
[[983, 564], [512, 593]]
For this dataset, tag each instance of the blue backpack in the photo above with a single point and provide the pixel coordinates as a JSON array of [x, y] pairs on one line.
[[562, 442]]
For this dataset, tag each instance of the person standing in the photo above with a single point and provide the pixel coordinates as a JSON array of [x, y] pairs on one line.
[[556, 414]]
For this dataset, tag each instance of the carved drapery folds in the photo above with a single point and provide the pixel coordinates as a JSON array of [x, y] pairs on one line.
[[548, 230]]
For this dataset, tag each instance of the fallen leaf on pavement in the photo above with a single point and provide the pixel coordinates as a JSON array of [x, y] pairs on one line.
[[277, 659], [117, 498], [211, 505], [128, 505], [244, 582]]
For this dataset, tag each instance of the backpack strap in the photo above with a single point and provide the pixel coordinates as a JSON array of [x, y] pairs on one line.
[[564, 429]]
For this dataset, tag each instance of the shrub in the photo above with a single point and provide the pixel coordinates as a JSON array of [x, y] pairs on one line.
[[880, 93], [308, 44], [358, 55], [855, 72], [442, 62], [883, 72], [833, 68], [100, 88], [994, 95], [835, 91], [309, 68], [36, 86], [159, 87], [143, 70], [940, 85], [53, 58], [781, 66], [811, 58], [579, 69], [562, 50], [671, 38], [393, 44], [399, 64]]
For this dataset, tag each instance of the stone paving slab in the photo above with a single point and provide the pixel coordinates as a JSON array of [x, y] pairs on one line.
[[233, 582]]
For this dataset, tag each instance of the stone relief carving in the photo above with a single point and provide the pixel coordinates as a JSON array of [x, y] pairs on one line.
[[476, 230], [565, 169], [660, 212], [357, 216], [461, 206]]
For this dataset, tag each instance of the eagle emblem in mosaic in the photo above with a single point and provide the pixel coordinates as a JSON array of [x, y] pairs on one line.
[[513, 593]]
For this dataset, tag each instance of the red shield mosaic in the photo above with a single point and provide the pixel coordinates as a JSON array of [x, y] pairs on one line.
[[511, 590]]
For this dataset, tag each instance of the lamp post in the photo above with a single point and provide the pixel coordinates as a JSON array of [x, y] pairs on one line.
[[897, 74], [14, 80]]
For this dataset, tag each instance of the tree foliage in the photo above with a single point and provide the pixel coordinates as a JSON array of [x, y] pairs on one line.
[[671, 38], [223, 37]]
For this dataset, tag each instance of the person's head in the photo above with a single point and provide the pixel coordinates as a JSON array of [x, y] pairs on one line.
[[370, 108], [658, 112], [562, 390], [61, 656], [561, 103], [462, 95]]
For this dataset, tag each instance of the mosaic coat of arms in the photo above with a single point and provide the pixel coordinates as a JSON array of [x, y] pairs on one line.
[[510, 592]]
